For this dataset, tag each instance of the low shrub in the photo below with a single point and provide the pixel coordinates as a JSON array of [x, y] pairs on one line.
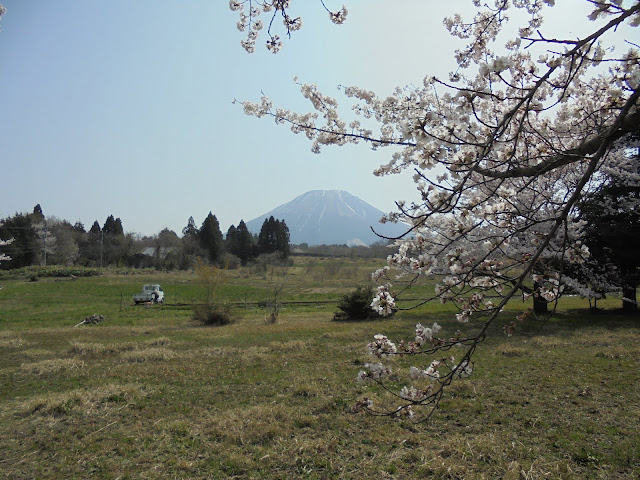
[[35, 271], [231, 262], [212, 314], [356, 305]]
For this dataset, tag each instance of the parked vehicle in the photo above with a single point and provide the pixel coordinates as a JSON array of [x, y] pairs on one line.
[[150, 293]]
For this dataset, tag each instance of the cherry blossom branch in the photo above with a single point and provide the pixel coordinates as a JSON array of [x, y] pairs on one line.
[[519, 143], [624, 124], [248, 21]]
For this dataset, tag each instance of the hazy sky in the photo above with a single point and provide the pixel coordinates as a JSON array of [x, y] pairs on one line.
[[125, 108]]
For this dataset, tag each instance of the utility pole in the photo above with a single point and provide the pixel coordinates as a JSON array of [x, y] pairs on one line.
[[45, 243]]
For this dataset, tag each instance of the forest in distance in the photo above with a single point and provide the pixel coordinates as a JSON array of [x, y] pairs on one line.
[[40, 240]]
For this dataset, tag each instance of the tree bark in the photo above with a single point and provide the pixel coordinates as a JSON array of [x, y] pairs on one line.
[[539, 303], [629, 303]]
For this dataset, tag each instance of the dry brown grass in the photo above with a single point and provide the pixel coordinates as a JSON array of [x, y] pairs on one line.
[[151, 354], [56, 365], [95, 348], [85, 402], [9, 340]]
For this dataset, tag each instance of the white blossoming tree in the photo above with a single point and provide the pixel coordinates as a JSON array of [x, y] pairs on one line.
[[520, 135]]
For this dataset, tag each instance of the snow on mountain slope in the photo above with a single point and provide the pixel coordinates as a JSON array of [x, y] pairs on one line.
[[330, 217]]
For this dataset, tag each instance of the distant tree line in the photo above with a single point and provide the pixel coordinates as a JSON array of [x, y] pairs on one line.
[[40, 240], [381, 250]]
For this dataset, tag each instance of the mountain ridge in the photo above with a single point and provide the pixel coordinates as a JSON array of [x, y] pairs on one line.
[[330, 217]]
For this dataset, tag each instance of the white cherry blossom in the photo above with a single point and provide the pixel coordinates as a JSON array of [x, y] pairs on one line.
[[501, 154]]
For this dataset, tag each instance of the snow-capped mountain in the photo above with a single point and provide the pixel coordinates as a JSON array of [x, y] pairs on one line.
[[330, 217]]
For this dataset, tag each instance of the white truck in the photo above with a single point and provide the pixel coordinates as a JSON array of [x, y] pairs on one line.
[[150, 293]]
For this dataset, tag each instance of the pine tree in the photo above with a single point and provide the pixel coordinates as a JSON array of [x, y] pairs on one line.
[[113, 241], [113, 226], [230, 240], [90, 244], [118, 229], [37, 216], [190, 229], [244, 243], [95, 228], [282, 238], [274, 237], [267, 237], [78, 227], [239, 242], [211, 238]]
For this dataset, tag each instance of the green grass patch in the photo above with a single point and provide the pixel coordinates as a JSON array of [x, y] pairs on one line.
[[150, 393]]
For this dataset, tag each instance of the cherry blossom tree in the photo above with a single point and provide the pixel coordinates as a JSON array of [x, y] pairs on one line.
[[502, 152]]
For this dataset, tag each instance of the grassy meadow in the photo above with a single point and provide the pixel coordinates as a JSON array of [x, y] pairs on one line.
[[150, 393]]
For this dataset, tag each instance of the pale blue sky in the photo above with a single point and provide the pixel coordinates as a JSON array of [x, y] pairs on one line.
[[125, 108]]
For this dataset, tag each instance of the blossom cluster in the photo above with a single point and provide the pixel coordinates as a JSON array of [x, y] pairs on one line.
[[430, 372], [426, 382], [426, 334], [383, 303], [549, 288], [381, 346], [250, 22], [4, 257], [414, 394], [374, 372]]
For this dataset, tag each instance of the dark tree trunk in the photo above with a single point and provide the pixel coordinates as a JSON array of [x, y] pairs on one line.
[[539, 303], [629, 304]]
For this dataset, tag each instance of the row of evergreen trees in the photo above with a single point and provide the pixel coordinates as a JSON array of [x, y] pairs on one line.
[[49, 241], [273, 238], [37, 240]]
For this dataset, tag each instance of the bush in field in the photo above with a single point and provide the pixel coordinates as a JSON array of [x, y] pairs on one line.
[[212, 311], [51, 271], [212, 314], [231, 262], [356, 305], [277, 280]]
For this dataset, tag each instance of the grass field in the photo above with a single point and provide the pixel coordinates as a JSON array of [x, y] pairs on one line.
[[150, 393]]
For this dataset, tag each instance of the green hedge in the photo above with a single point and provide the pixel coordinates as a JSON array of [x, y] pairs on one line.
[[34, 272]]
